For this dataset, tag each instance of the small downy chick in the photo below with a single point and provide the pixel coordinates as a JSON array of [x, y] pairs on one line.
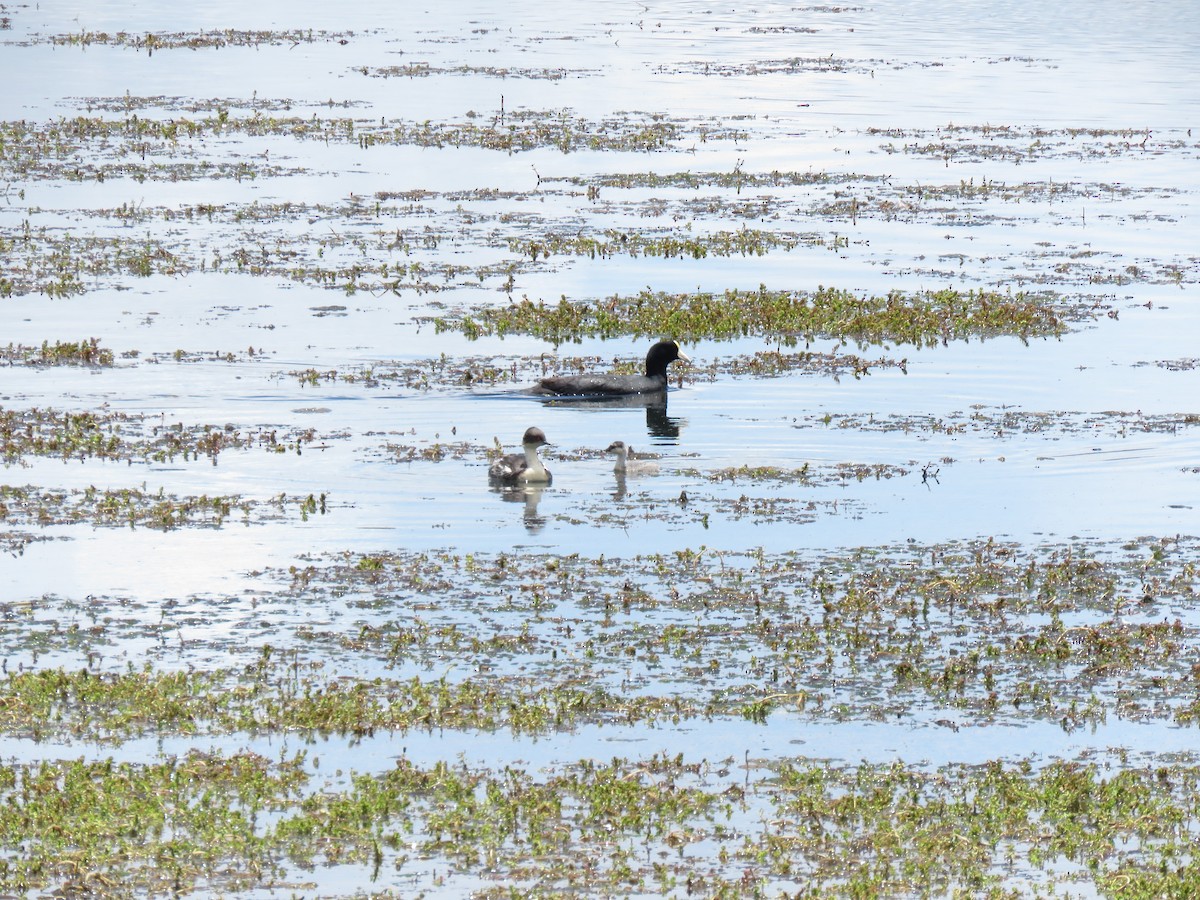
[[524, 467], [626, 465]]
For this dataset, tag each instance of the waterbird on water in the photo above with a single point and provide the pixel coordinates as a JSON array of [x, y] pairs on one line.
[[525, 467], [627, 465], [660, 356]]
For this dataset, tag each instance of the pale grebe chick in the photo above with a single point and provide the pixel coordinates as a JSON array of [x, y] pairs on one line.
[[660, 356], [628, 466], [522, 468]]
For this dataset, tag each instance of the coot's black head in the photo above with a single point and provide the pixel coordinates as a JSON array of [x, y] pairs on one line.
[[534, 436], [662, 355]]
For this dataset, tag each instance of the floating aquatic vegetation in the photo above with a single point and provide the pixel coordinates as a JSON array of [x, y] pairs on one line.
[[445, 373], [151, 41], [1006, 422], [510, 131], [15, 542], [1020, 143], [138, 507], [132, 714], [924, 319], [984, 632], [1187, 364], [108, 434], [743, 242], [719, 827], [738, 178], [424, 70], [61, 353], [128, 103]]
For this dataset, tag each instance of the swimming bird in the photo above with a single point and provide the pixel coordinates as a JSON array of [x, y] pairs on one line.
[[523, 468], [660, 356], [626, 465]]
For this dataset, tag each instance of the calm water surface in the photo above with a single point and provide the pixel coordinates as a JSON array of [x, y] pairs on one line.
[[1083, 437], [915, 67]]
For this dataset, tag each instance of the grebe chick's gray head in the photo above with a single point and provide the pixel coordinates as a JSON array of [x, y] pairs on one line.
[[524, 467], [627, 465]]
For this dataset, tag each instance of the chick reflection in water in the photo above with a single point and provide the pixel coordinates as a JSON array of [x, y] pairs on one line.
[[530, 494], [628, 466], [520, 477]]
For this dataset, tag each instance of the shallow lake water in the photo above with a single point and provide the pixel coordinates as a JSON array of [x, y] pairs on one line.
[[288, 267]]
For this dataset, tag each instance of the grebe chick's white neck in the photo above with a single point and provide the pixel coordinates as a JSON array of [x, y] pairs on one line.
[[626, 465], [524, 467]]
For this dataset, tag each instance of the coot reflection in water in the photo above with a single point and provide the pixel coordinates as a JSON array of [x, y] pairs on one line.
[[658, 423]]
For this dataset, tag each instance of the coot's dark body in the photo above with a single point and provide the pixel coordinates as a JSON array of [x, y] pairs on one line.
[[660, 356]]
